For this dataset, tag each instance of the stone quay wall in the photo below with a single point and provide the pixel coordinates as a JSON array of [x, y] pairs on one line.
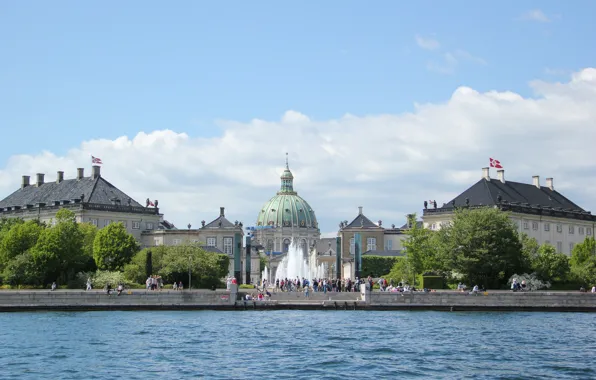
[[28, 300]]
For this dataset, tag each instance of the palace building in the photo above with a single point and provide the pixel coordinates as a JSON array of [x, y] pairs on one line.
[[92, 199], [539, 211]]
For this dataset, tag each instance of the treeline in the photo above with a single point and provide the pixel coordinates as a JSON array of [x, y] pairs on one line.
[[482, 247], [36, 254]]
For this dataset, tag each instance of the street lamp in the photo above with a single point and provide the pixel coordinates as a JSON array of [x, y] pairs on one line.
[[189, 277]]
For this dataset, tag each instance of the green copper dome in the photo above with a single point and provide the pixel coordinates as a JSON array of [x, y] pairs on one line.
[[287, 208]]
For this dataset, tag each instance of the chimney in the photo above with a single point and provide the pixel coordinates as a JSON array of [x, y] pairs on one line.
[[221, 211], [359, 210], [549, 184], [95, 172], [80, 173], [485, 174], [536, 181], [60, 177], [39, 181], [24, 181], [501, 175]]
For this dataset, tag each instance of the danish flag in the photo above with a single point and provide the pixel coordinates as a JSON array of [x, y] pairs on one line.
[[96, 160], [495, 163]]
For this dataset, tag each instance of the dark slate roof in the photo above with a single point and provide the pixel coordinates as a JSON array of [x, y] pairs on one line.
[[486, 193], [390, 253], [165, 225], [211, 249], [96, 190], [322, 245], [419, 224], [361, 221], [224, 223]]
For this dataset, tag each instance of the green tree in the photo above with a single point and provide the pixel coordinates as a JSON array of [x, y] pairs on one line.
[[550, 265], [18, 237], [21, 270], [113, 247], [399, 272], [583, 261], [530, 249], [262, 263], [483, 246], [59, 250]]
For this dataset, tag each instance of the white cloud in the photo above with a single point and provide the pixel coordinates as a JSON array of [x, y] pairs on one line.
[[536, 15], [427, 43], [389, 164]]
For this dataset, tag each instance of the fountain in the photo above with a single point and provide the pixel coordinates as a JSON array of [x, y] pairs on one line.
[[295, 265], [265, 275]]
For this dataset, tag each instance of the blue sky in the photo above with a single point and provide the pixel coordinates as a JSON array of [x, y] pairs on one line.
[[74, 72], [85, 70]]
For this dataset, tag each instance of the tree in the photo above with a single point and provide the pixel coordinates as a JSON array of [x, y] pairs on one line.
[[530, 248], [113, 247], [482, 245], [549, 265], [21, 270], [583, 261], [18, 237]]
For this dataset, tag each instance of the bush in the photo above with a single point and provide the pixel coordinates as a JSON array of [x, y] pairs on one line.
[[433, 282], [377, 266], [100, 278], [246, 286], [532, 282]]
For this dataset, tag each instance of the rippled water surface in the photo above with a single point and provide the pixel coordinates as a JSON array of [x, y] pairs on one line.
[[296, 344]]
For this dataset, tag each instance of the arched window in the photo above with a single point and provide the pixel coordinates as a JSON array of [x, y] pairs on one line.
[[286, 246]]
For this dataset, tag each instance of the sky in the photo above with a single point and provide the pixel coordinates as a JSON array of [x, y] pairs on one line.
[[381, 105]]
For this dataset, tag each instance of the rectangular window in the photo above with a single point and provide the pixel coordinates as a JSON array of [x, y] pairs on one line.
[[559, 228], [547, 226], [570, 247], [388, 245], [560, 246], [535, 226], [136, 225], [149, 225], [580, 230], [156, 241], [106, 222], [228, 245], [571, 229], [176, 241], [371, 244], [94, 222], [211, 242], [589, 231], [526, 226], [433, 226]]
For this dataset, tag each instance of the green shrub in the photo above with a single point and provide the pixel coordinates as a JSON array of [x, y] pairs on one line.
[[433, 282], [246, 286], [377, 266]]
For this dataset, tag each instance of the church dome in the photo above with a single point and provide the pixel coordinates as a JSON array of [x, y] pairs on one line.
[[287, 208]]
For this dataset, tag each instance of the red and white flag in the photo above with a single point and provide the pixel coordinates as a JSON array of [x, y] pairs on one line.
[[151, 204], [495, 163], [96, 160]]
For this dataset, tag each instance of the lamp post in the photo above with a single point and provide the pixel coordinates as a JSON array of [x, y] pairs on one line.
[[189, 276]]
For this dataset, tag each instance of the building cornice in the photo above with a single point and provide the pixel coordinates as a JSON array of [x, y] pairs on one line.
[[26, 210], [519, 208]]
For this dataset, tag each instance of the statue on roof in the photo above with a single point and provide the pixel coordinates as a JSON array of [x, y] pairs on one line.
[[425, 204]]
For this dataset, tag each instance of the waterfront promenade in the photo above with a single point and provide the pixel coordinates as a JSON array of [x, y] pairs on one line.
[[499, 300]]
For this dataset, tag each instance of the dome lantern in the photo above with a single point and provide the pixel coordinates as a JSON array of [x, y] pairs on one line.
[[287, 179]]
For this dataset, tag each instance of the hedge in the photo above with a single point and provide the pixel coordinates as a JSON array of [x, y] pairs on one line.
[[433, 282], [377, 266]]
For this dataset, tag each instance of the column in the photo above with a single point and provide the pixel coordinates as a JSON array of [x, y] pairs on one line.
[[237, 258], [338, 257], [248, 262], [357, 255]]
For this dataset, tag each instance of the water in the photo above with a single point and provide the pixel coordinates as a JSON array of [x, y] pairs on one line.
[[295, 265], [296, 344]]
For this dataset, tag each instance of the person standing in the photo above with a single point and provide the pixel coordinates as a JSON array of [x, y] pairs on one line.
[[88, 284]]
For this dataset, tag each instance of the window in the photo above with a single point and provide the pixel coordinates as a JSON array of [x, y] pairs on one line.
[[571, 229], [156, 241], [535, 226], [371, 244], [526, 226], [589, 231], [286, 246], [106, 222], [559, 228], [228, 245], [136, 225], [211, 242], [149, 225], [580, 230], [388, 245], [176, 241], [560, 246], [570, 247], [547, 226], [433, 226], [352, 246], [94, 222]]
